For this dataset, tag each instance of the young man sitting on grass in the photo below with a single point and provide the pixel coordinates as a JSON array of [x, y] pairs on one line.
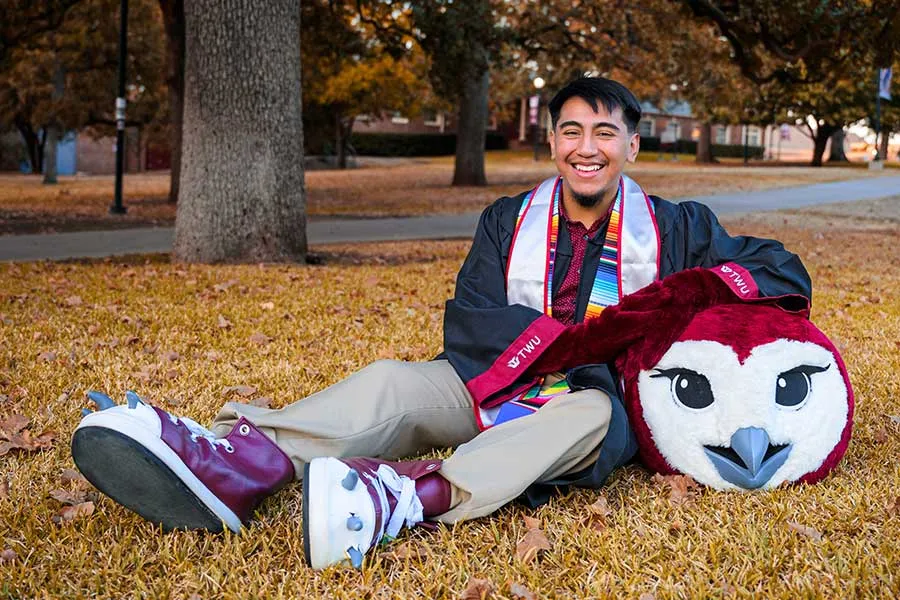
[[540, 263]]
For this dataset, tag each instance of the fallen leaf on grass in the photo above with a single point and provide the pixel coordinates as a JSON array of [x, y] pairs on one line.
[[171, 356], [146, 374], [14, 436], [223, 323], [7, 555], [728, 589], [681, 487], [600, 507], [47, 356], [805, 530], [262, 402], [517, 590], [533, 542], [4, 488], [478, 589], [72, 476], [894, 507], [894, 419], [74, 301], [260, 338], [647, 596], [267, 305], [221, 287], [881, 435], [69, 498], [241, 390], [68, 514], [597, 513], [403, 551], [12, 425]]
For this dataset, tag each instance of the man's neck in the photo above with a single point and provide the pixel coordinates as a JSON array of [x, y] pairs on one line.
[[587, 216]]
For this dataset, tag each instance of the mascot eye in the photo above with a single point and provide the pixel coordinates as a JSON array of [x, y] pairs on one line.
[[793, 387], [689, 388]]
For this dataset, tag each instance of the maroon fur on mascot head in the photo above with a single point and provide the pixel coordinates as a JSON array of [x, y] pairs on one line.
[[743, 328]]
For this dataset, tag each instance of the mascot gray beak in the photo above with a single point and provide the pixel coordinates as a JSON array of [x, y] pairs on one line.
[[751, 460]]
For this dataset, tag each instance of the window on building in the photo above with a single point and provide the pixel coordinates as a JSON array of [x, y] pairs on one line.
[[645, 128], [675, 126], [753, 136], [398, 118], [720, 134]]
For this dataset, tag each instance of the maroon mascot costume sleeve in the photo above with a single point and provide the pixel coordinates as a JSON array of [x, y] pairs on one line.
[[739, 394]]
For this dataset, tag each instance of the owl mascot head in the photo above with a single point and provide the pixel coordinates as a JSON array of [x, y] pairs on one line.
[[737, 393]]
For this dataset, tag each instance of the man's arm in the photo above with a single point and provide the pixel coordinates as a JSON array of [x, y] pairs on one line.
[[693, 237]]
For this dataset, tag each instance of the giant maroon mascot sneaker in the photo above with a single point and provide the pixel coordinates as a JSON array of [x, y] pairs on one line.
[[172, 471]]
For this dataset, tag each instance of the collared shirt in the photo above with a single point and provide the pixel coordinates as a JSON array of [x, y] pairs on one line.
[[564, 303]]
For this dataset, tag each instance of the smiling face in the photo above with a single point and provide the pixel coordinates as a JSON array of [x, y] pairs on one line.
[[590, 149]]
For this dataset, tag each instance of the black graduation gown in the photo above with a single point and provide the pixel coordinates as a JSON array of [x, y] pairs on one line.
[[479, 325]]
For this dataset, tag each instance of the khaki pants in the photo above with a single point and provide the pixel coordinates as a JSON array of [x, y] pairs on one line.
[[393, 409]]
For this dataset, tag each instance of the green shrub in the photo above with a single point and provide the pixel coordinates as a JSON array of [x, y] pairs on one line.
[[652, 144], [416, 144]]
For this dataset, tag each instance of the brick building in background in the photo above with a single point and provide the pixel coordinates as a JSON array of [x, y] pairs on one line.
[[666, 125]]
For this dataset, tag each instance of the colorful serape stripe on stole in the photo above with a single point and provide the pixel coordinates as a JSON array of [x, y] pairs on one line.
[[553, 237], [605, 291], [537, 396]]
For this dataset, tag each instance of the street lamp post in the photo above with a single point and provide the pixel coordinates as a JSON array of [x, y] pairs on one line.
[[117, 208], [536, 116]]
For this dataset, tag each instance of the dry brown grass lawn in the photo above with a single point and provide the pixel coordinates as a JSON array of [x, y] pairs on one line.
[[411, 187], [155, 327]]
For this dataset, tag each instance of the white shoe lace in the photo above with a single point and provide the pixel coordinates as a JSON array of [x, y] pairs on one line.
[[408, 510], [199, 431]]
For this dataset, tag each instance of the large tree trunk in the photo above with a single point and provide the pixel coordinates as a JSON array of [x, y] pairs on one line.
[[883, 145], [704, 145], [837, 153], [33, 144], [173, 16], [470, 132], [820, 141], [242, 195]]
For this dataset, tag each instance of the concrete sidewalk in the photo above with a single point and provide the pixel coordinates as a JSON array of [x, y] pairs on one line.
[[83, 244]]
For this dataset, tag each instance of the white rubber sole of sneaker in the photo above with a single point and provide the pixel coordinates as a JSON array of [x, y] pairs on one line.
[[327, 507], [142, 431]]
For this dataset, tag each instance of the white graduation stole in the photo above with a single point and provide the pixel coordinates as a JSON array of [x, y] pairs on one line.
[[629, 262]]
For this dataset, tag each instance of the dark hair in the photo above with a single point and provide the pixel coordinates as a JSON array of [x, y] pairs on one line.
[[611, 94]]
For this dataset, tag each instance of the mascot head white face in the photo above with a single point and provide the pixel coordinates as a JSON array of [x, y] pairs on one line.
[[748, 396]]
